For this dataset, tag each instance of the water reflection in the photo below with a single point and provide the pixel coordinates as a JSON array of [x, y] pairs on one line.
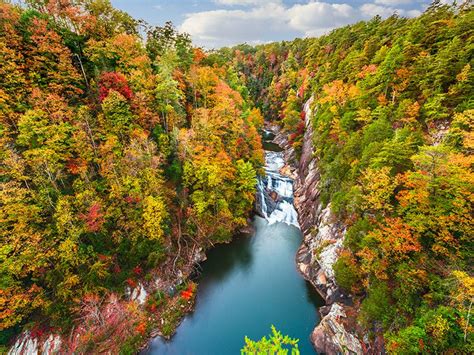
[[222, 259]]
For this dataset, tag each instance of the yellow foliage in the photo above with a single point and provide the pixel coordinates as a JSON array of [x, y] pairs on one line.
[[439, 327], [379, 186], [464, 74], [154, 214]]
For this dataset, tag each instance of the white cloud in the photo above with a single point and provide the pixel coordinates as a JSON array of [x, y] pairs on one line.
[[371, 10], [263, 21], [412, 13], [393, 2], [246, 2], [316, 18], [225, 27]]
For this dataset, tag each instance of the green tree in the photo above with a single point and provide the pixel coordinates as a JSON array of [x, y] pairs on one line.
[[276, 343]]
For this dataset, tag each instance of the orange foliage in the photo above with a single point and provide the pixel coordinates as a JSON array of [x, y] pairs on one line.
[[367, 70], [199, 55], [396, 238], [141, 328], [339, 92]]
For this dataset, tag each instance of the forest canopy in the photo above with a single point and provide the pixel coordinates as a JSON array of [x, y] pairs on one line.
[[124, 150]]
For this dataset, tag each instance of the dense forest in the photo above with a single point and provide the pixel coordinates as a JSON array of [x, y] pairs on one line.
[[125, 150]]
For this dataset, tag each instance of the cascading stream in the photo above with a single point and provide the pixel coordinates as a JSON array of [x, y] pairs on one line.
[[275, 192]]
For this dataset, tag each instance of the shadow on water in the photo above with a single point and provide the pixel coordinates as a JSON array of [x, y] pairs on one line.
[[224, 258], [313, 296], [272, 147]]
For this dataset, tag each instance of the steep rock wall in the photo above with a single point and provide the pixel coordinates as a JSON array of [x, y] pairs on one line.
[[323, 233]]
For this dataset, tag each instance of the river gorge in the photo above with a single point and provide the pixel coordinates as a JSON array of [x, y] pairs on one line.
[[253, 282]]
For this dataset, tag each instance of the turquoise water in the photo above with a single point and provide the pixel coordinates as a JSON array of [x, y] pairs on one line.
[[245, 287]]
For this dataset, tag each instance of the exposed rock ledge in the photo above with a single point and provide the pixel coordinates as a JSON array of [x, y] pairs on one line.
[[30, 345], [322, 243], [331, 337]]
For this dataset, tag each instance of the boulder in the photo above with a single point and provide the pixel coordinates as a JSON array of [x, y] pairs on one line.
[[331, 336]]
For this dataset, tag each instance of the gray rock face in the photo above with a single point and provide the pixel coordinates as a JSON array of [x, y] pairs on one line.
[[323, 237], [331, 337]]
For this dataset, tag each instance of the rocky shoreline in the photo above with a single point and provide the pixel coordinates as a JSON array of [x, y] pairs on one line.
[[323, 237], [52, 342]]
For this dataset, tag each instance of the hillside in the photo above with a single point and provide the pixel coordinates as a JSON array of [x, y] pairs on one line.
[[126, 153]]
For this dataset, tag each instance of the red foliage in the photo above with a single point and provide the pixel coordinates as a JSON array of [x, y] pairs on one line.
[[300, 128], [132, 283], [421, 344], [273, 59], [131, 199], [76, 166], [292, 138], [188, 293], [137, 270], [39, 331], [94, 218], [295, 137], [117, 269], [102, 257], [114, 81]]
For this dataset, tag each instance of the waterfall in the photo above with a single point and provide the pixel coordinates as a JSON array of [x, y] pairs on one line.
[[275, 192], [286, 213]]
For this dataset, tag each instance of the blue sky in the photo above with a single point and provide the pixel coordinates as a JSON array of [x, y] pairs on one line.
[[217, 23]]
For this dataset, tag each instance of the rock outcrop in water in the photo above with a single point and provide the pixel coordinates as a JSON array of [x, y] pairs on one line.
[[323, 238], [331, 336]]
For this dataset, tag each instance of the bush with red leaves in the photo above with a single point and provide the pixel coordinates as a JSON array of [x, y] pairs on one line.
[[131, 283], [114, 81], [298, 135], [132, 199], [94, 218], [188, 293], [138, 270]]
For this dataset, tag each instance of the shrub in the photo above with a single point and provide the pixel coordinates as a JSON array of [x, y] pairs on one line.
[[346, 271], [376, 307]]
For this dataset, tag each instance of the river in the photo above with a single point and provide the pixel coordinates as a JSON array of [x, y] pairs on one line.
[[251, 283]]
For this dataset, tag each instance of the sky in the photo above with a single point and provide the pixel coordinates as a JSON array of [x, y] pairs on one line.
[[218, 23]]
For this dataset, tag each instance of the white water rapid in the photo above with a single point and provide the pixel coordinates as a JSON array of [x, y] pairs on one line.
[[275, 192]]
